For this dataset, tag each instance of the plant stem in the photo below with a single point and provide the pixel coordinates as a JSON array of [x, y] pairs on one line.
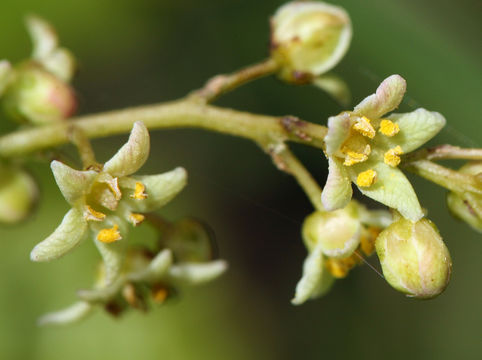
[[447, 178], [177, 114], [84, 147], [286, 161], [221, 84], [445, 151]]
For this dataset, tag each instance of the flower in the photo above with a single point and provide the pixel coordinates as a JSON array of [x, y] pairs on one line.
[[332, 239], [309, 38], [364, 146], [414, 258], [106, 201], [143, 274]]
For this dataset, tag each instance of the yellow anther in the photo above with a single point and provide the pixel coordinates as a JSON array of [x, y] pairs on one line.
[[91, 214], [109, 235], [389, 128], [353, 157], [159, 294], [364, 127], [366, 178], [392, 157], [136, 219], [367, 240], [139, 193]]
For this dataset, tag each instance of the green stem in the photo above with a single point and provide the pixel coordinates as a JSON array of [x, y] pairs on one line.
[[84, 147], [286, 161], [221, 84], [445, 177], [178, 114], [445, 151]]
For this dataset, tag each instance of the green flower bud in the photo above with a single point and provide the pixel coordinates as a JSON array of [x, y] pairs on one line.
[[337, 233], [467, 206], [37, 96], [414, 258], [309, 38], [18, 194]]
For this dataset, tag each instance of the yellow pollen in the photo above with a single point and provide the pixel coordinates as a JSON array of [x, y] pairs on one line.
[[364, 127], [366, 178], [367, 241], [353, 157], [136, 219], [139, 193], [392, 157], [159, 294], [109, 235], [389, 128], [91, 214]]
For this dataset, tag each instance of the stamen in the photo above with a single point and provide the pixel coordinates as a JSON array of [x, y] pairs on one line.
[[392, 157], [139, 193], [353, 157], [109, 235], [91, 214], [114, 187], [367, 240], [136, 219], [366, 178], [159, 294], [389, 128], [364, 127]]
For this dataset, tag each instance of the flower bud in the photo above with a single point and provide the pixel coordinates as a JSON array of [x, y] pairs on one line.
[[467, 206], [337, 233], [18, 194], [37, 96], [309, 38], [414, 258]]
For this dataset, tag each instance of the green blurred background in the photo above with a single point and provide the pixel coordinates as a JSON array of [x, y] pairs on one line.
[[144, 51]]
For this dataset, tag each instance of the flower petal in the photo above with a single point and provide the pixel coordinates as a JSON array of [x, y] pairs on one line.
[[416, 128], [73, 313], [387, 98], [160, 189], [337, 192], [197, 273], [156, 269], [104, 293], [315, 280], [392, 188], [132, 155], [67, 235], [72, 183], [338, 131], [43, 36]]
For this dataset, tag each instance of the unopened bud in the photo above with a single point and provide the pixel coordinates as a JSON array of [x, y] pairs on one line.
[[337, 233], [309, 38], [414, 258], [467, 206], [36, 96], [18, 194]]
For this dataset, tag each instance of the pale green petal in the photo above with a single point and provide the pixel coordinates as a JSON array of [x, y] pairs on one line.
[[132, 155], [387, 98], [197, 273], [337, 192], [392, 188], [43, 37], [338, 131], [102, 294], [156, 269], [5, 75], [416, 128], [314, 282], [335, 86], [67, 235], [160, 189], [61, 63], [74, 313], [72, 183]]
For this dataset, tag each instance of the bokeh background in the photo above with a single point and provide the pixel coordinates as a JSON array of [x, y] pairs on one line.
[[145, 51]]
